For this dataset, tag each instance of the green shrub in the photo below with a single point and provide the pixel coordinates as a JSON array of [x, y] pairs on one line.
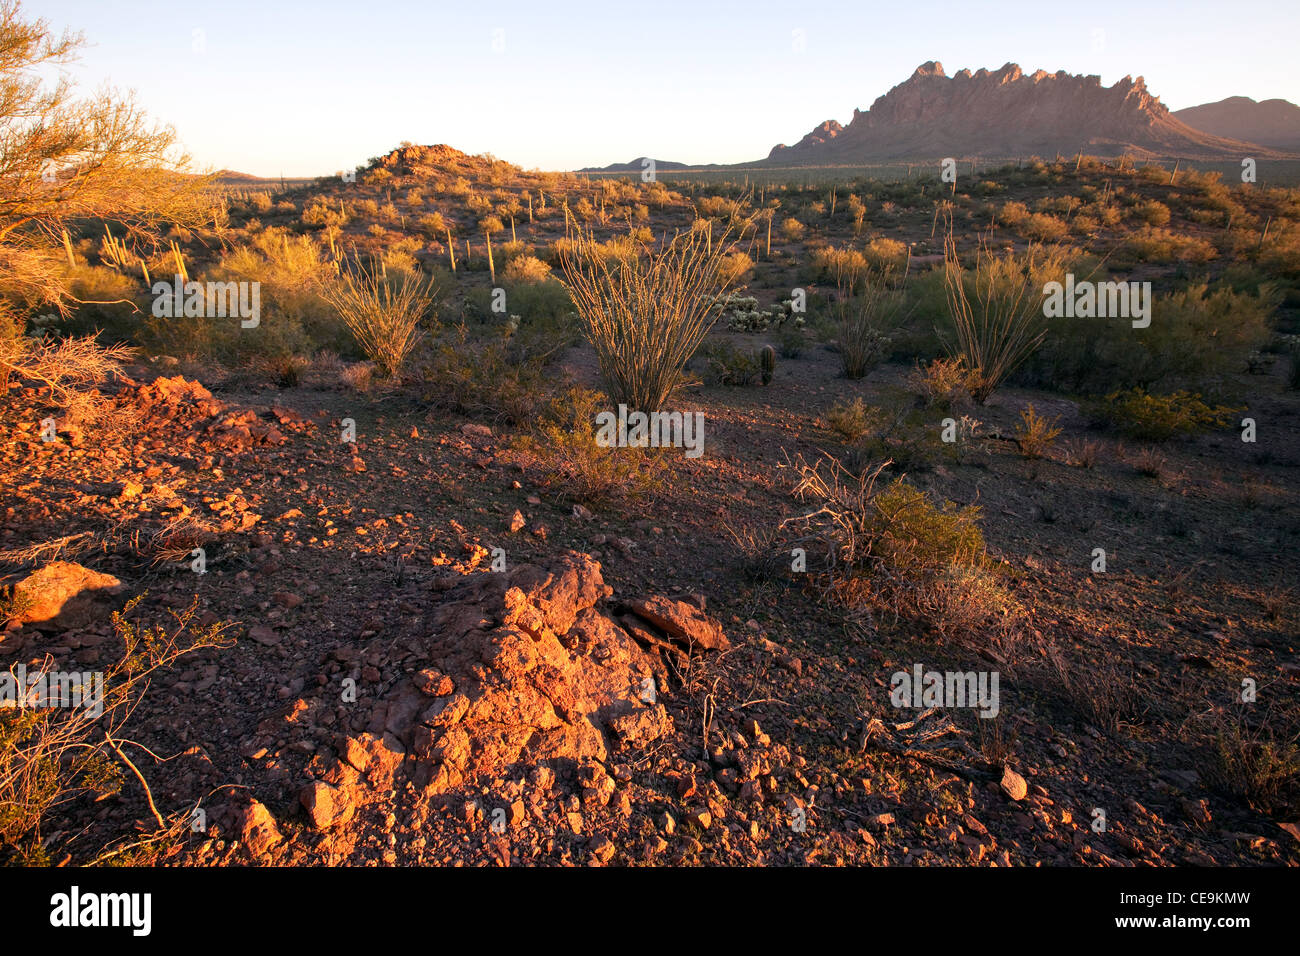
[[565, 454], [724, 364], [1196, 335], [1160, 417]]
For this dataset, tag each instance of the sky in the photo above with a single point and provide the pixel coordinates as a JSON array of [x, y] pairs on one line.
[[292, 88]]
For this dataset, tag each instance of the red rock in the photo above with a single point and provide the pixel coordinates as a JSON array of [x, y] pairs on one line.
[[63, 590], [683, 622]]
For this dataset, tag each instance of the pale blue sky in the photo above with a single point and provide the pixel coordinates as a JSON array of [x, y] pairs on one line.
[[305, 88]]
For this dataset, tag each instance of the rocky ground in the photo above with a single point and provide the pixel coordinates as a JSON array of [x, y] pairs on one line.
[[612, 686]]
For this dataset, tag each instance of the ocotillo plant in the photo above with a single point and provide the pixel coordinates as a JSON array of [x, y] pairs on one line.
[[645, 315]]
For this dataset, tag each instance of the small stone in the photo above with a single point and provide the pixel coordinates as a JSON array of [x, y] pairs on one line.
[[1013, 785]]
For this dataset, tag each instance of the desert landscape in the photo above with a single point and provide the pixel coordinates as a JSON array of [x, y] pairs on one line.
[[922, 493]]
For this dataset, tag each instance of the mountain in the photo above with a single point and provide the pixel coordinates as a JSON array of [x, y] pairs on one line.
[[1272, 123], [634, 166], [1007, 113]]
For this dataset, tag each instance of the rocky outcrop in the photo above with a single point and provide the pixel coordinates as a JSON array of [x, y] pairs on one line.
[[519, 670], [1007, 113]]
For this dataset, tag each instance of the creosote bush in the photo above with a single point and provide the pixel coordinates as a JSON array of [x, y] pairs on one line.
[[1160, 417]]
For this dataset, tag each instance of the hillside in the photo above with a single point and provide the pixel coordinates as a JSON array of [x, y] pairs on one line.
[[1272, 123], [1007, 113]]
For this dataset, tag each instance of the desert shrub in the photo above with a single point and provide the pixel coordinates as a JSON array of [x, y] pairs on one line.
[[735, 267], [105, 301], [837, 265], [850, 420], [1013, 214], [646, 316], [51, 755], [996, 310], [320, 214], [862, 344], [1151, 244], [790, 342], [1160, 417], [1196, 335], [1041, 227], [724, 364], [896, 550], [565, 454], [486, 378], [295, 318], [792, 229], [1152, 212], [942, 383], [384, 314], [909, 533], [526, 269], [1035, 434], [433, 225], [886, 255]]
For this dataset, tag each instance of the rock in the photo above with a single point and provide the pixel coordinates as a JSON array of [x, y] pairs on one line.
[[517, 521], [263, 635], [257, 828], [1197, 811], [602, 848], [684, 623], [64, 591], [326, 805], [511, 668], [433, 682], [1013, 785]]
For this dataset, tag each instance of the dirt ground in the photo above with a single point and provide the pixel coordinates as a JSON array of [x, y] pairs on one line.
[[1119, 690]]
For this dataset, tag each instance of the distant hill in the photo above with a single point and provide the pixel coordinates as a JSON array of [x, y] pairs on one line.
[[1007, 113], [1272, 123], [635, 166]]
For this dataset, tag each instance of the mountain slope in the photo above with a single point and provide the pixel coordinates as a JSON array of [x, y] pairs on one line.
[[1007, 113], [1272, 123]]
